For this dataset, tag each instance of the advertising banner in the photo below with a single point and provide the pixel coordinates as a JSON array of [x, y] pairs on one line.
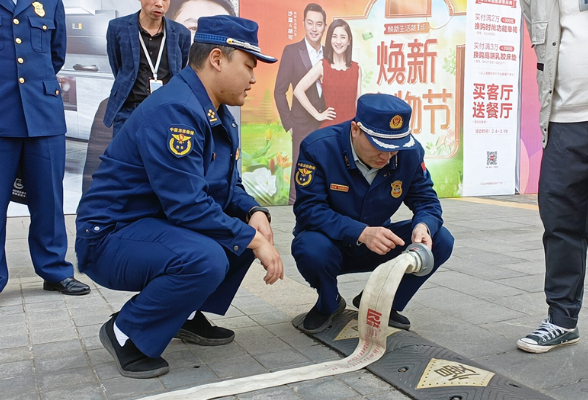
[[491, 97], [410, 49]]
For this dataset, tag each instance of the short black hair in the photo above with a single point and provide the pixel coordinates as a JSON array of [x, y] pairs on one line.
[[317, 8], [176, 5], [199, 53]]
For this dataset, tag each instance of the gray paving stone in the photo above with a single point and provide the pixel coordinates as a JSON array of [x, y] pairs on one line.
[[364, 382], [319, 353], [283, 360], [564, 366], [211, 353], [257, 341], [473, 286], [242, 321], [11, 310], [16, 368], [236, 368], [529, 283], [527, 303], [49, 305], [8, 329], [92, 342], [18, 385], [53, 335], [81, 392], [65, 379], [390, 394], [121, 388], [273, 317], [61, 363], [55, 315], [14, 341], [467, 339], [26, 396], [324, 388], [574, 391], [186, 377], [282, 393], [107, 370], [99, 356], [13, 354], [57, 349], [179, 359]]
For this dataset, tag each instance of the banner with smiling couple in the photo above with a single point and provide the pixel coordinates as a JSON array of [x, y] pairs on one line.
[[411, 49]]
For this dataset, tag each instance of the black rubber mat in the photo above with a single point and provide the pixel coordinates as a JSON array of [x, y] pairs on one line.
[[425, 370]]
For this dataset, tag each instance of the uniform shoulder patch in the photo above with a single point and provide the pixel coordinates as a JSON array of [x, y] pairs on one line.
[[180, 140], [304, 174]]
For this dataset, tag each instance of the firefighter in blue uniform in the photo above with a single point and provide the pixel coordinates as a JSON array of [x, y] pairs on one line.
[[32, 134], [166, 214], [350, 180]]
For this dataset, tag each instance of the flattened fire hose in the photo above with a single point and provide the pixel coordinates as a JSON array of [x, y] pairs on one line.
[[374, 312]]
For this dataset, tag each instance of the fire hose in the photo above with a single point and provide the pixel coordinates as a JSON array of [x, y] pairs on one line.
[[374, 312]]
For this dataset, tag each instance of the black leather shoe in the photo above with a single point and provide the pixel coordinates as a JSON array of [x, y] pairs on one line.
[[130, 361], [69, 286], [200, 331], [396, 320], [315, 322]]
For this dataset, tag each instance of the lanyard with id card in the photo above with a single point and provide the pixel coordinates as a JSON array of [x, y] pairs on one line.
[[583, 5], [154, 83]]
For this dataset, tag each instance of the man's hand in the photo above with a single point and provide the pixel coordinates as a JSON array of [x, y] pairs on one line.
[[380, 240], [268, 256], [261, 224], [420, 234]]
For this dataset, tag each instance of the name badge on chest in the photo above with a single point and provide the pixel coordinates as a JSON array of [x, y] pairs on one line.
[[154, 84]]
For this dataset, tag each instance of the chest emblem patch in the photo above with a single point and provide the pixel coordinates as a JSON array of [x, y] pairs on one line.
[[304, 174], [396, 189], [39, 9], [339, 188], [180, 140]]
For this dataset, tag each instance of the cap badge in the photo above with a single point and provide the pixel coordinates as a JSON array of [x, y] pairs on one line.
[[396, 122], [39, 9]]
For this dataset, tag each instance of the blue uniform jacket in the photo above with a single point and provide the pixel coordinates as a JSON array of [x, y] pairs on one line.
[[124, 54], [176, 159], [333, 197], [32, 51]]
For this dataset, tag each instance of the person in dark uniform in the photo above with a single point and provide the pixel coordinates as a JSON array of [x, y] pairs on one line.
[[166, 214], [32, 134], [145, 50], [350, 180]]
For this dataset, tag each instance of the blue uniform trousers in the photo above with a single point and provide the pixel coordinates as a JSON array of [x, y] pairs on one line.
[[321, 260], [43, 162], [175, 270], [563, 207]]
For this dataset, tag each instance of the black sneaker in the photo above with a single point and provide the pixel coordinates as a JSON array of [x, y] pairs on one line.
[[130, 361], [547, 337], [315, 322], [200, 331], [396, 320]]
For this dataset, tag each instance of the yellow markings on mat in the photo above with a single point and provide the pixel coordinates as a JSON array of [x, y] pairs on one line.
[[351, 331], [444, 373], [492, 202]]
